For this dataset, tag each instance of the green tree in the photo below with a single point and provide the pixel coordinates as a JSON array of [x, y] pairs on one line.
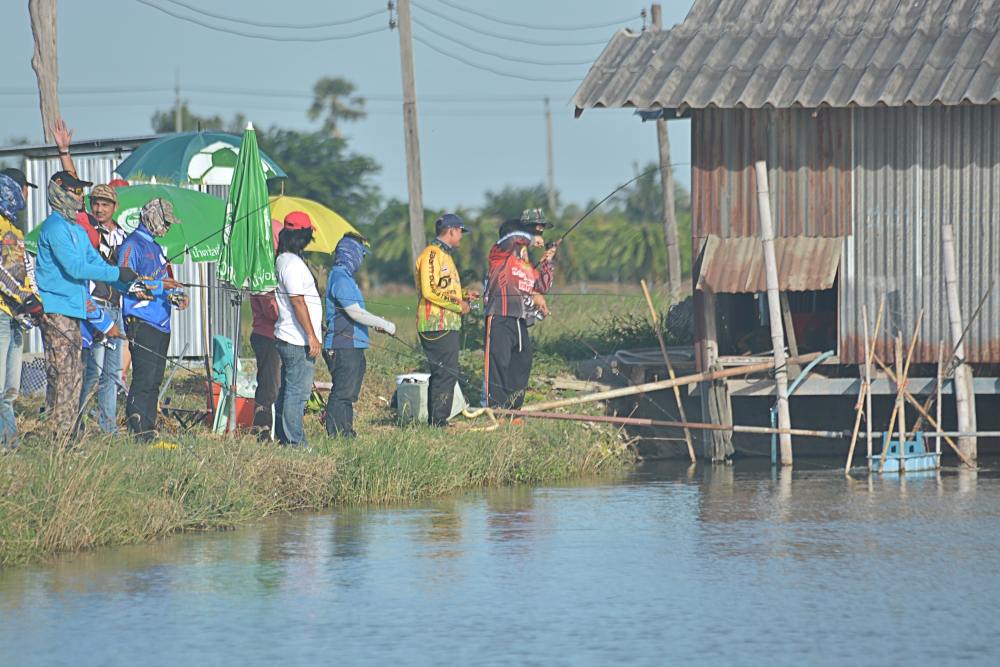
[[335, 102], [510, 201]]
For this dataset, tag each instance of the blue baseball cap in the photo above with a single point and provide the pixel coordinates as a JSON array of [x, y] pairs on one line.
[[449, 220]]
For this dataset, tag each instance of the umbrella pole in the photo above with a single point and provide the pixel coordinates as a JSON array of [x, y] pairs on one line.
[[238, 300]]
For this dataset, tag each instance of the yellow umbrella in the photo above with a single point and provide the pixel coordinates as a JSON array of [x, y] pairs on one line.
[[330, 226]]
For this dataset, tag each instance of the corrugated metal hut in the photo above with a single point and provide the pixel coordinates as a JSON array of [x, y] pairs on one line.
[[879, 123]]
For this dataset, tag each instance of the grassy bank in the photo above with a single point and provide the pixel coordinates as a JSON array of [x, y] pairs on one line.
[[115, 492]]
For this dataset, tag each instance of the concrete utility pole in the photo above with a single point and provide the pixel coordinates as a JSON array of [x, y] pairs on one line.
[[417, 237], [774, 310], [45, 61], [178, 115], [552, 165], [667, 183]]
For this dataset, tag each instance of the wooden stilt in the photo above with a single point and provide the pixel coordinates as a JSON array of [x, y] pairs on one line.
[[864, 395], [902, 378], [900, 404]]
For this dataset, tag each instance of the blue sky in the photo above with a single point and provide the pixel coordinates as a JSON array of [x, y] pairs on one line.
[[478, 130]]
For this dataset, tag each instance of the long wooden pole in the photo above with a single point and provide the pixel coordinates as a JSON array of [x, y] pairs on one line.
[[900, 405], [774, 310], [903, 379], [410, 134], [868, 378], [670, 367], [940, 384], [964, 396], [916, 404], [670, 235], [45, 61], [864, 395], [682, 381]]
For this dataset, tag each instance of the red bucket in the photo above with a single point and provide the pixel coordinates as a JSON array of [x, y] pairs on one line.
[[244, 406]]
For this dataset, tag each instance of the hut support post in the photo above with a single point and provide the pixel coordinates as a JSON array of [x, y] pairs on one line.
[[940, 383], [716, 406], [774, 310], [965, 400]]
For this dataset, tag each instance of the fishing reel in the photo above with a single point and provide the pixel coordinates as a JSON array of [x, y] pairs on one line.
[[146, 289]]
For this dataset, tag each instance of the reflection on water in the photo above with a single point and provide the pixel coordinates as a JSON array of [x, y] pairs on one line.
[[717, 565]]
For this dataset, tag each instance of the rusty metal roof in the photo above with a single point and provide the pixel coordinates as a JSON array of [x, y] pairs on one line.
[[736, 265], [807, 53]]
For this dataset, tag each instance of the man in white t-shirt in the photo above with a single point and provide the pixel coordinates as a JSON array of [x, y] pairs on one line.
[[297, 330]]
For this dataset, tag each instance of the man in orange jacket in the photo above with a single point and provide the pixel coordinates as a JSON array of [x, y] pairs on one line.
[[439, 314]]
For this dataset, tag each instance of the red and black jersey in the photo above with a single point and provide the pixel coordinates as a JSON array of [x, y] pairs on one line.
[[512, 280]]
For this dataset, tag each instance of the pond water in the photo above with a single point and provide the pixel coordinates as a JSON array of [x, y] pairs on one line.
[[724, 565]]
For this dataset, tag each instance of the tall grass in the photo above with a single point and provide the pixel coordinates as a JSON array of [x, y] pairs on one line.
[[114, 492]]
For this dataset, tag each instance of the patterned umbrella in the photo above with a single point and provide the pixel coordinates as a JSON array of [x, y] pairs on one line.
[[204, 158]]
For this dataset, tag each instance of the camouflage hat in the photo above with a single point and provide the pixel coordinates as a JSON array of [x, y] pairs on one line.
[[158, 215], [534, 217], [102, 191]]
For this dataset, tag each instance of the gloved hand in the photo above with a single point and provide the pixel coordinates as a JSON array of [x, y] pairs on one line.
[[127, 275]]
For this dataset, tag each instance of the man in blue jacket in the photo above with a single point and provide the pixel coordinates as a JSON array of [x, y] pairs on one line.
[[147, 320], [66, 262]]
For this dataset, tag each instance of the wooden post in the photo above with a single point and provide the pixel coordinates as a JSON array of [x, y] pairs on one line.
[[965, 399], [869, 352], [550, 155], [774, 310], [793, 343], [45, 61], [900, 404], [901, 382], [667, 184], [716, 406], [670, 368], [940, 383], [414, 186]]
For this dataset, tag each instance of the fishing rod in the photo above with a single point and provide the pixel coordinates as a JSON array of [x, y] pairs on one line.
[[598, 204]]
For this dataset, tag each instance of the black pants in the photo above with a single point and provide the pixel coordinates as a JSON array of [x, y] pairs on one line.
[[508, 361], [268, 379], [347, 371], [149, 359], [441, 348]]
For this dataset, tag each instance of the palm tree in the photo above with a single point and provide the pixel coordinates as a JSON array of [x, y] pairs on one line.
[[335, 97]]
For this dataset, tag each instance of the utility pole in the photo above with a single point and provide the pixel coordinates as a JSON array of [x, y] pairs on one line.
[[667, 183], [178, 115], [417, 238], [552, 165], [45, 61]]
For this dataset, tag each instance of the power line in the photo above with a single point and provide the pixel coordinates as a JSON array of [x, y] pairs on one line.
[[502, 56], [260, 24], [536, 26], [251, 35], [509, 38], [492, 70]]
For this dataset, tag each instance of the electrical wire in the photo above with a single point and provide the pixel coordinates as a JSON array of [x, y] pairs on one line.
[[509, 38], [492, 70], [251, 35], [509, 58], [536, 26], [260, 24]]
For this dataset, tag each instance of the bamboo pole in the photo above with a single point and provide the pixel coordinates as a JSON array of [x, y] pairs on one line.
[[900, 404], [916, 404], [670, 368], [905, 375], [698, 426], [965, 398], [937, 393], [868, 378], [864, 395], [774, 310], [682, 381]]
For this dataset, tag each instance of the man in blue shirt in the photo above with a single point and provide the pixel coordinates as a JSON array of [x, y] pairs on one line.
[[147, 316], [346, 338], [66, 262]]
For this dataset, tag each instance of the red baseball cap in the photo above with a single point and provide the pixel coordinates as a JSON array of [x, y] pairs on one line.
[[298, 220], [118, 183]]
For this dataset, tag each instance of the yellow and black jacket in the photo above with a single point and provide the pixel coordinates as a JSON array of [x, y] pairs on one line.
[[440, 289]]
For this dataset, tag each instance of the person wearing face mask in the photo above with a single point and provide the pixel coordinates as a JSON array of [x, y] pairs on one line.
[[65, 264], [147, 313], [346, 339]]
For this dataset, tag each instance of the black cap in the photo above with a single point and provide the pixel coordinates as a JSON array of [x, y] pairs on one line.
[[18, 176], [449, 220], [69, 180]]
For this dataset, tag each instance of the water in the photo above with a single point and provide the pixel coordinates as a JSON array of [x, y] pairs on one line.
[[727, 566]]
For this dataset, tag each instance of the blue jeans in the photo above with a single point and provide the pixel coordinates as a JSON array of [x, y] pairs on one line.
[[297, 371], [101, 366], [11, 345]]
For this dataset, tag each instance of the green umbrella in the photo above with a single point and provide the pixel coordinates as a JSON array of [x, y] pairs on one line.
[[206, 158], [247, 257], [200, 231]]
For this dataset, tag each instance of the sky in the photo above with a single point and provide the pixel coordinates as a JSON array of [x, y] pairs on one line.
[[479, 130]]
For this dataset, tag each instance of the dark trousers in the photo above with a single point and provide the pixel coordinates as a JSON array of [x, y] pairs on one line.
[[441, 348], [268, 379], [347, 371], [149, 360], [508, 361]]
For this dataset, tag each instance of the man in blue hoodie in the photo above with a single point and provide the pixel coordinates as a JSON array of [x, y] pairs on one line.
[[346, 338], [147, 315], [66, 262]]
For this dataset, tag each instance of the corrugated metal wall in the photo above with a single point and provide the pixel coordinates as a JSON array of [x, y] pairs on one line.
[[916, 170], [808, 158]]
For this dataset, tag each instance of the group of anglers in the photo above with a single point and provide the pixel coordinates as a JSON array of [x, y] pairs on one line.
[[91, 286]]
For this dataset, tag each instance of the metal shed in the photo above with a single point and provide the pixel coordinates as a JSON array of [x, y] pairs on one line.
[[879, 123]]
